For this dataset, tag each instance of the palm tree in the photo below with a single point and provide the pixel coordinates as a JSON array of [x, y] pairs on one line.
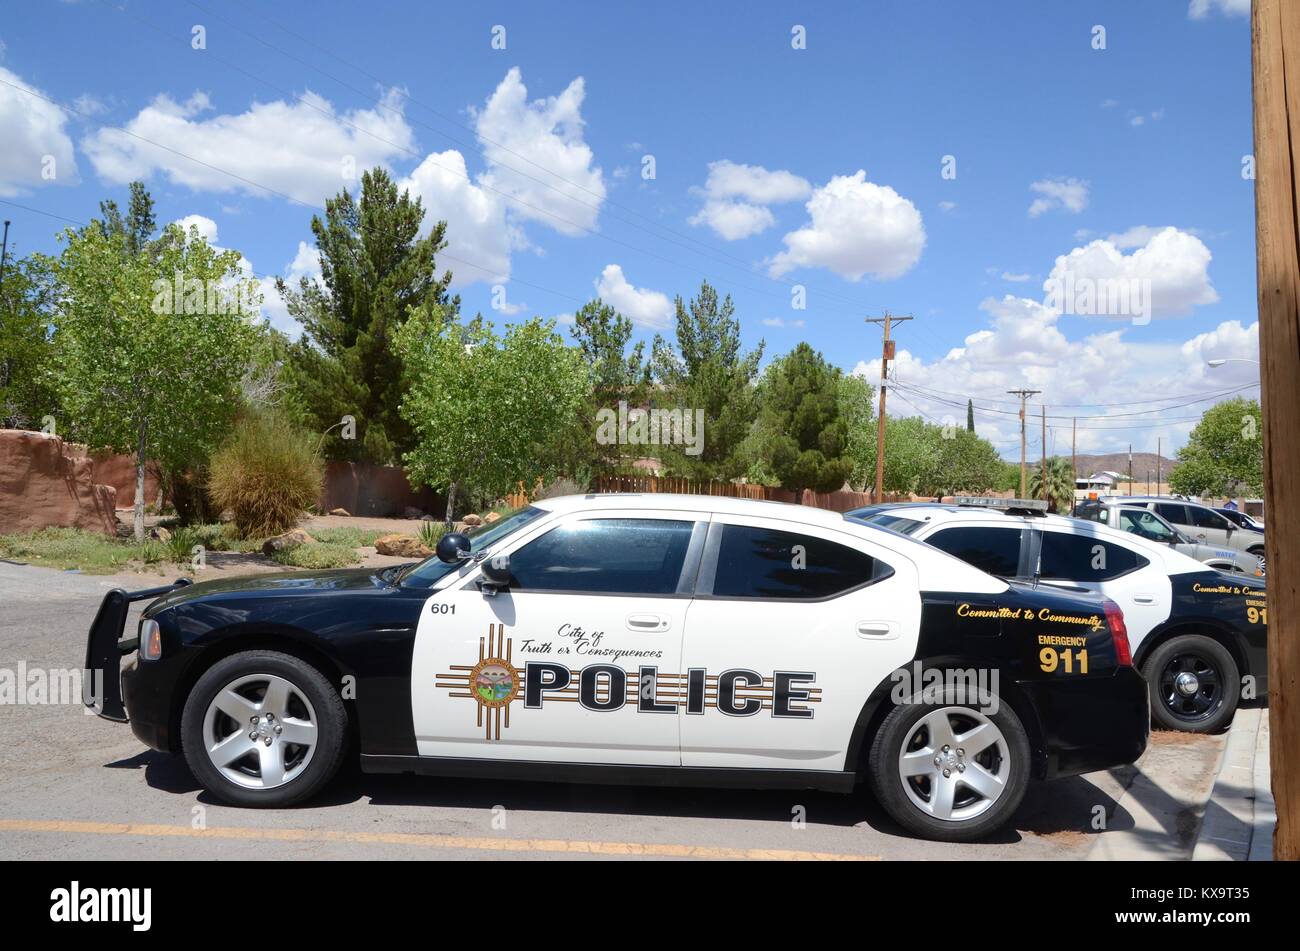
[[1060, 484]]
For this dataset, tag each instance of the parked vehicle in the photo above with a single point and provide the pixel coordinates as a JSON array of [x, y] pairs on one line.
[[1241, 519], [1145, 523], [1200, 522], [639, 639], [1199, 635]]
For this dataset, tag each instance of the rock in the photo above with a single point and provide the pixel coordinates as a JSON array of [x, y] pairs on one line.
[[45, 482], [402, 546], [290, 539], [491, 517], [412, 512], [124, 529], [160, 534], [473, 520], [343, 512], [429, 518]]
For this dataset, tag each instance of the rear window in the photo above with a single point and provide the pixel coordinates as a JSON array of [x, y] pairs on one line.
[[1084, 558], [895, 523], [995, 550], [766, 563]]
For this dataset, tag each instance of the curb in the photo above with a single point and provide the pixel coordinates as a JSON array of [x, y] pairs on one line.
[[1240, 815]]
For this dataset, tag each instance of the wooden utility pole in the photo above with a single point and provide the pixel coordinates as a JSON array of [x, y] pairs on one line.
[[886, 354], [1074, 437], [1043, 477], [1158, 451], [1130, 468], [1275, 49], [1024, 395]]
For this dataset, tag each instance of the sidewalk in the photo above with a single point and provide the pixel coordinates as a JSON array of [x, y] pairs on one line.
[[1239, 818]]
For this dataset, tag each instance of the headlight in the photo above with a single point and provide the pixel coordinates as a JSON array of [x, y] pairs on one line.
[[150, 640]]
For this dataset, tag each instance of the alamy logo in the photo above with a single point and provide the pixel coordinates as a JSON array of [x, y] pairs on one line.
[[651, 427], [76, 904]]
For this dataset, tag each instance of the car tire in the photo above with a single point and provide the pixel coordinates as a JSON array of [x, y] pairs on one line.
[[1205, 699], [916, 801], [263, 728], [1258, 552]]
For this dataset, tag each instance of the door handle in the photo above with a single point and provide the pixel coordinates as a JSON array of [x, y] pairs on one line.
[[648, 623], [1144, 599], [877, 630]]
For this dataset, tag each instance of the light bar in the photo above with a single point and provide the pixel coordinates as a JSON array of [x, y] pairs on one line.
[[1037, 505]]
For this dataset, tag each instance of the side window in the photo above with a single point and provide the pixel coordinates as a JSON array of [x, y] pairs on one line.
[[1083, 558], [605, 556], [765, 563], [995, 550], [1204, 518], [1172, 513]]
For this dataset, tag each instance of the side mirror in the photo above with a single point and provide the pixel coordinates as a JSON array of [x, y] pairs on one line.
[[453, 548]]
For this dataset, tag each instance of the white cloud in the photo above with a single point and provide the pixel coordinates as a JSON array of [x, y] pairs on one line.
[[1068, 193], [305, 263], [1175, 263], [736, 198], [32, 131], [947, 205], [644, 307], [536, 154], [1015, 278], [856, 228], [1024, 345], [479, 235], [778, 322], [1200, 9], [302, 149], [207, 227]]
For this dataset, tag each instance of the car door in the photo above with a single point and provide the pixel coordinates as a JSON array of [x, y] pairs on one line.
[[1125, 575], [1175, 513], [1211, 528], [578, 659], [791, 630]]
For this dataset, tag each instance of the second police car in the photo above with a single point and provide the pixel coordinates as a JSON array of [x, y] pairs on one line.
[[640, 639], [1198, 633]]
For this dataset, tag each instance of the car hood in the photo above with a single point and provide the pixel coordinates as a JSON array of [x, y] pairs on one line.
[[274, 585]]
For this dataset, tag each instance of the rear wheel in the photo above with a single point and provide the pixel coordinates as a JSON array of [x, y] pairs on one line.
[[1193, 682], [950, 771], [1258, 552], [262, 728]]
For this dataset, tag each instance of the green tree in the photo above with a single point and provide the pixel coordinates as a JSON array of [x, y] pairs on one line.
[[27, 299], [150, 348], [486, 409], [1225, 452], [1060, 484], [805, 437], [708, 371], [857, 407], [374, 268], [964, 463], [137, 227], [970, 416], [618, 375]]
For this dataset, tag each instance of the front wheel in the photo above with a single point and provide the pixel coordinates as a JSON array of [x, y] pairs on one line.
[[1193, 682], [950, 771], [262, 728]]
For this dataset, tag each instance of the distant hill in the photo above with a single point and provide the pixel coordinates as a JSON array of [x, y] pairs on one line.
[[1143, 462]]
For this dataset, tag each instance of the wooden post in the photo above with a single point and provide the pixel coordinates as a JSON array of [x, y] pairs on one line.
[[1275, 48], [886, 354]]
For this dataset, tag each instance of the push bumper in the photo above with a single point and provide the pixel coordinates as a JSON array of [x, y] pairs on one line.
[[1090, 723], [105, 648]]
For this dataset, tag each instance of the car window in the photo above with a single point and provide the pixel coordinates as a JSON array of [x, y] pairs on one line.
[[431, 570], [995, 550], [1204, 518], [1145, 524], [1084, 558], [766, 563], [604, 556], [1172, 513], [896, 523]]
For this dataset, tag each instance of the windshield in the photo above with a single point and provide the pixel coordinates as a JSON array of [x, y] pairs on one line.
[[1147, 525], [431, 570]]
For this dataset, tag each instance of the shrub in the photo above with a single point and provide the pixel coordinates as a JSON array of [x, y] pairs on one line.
[[430, 532], [347, 535], [266, 473], [319, 555], [180, 546]]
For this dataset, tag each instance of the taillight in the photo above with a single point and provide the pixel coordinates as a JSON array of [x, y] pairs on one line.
[[1119, 634]]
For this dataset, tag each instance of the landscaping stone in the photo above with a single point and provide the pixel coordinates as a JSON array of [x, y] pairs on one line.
[[341, 511], [402, 546], [160, 534], [290, 539], [412, 512], [473, 520], [491, 517]]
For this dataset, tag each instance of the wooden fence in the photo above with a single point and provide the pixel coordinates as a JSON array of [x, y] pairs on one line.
[[839, 501]]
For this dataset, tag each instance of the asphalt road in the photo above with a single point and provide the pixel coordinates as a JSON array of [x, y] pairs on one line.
[[73, 786]]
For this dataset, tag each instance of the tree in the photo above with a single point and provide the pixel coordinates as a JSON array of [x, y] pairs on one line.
[[374, 269], [857, 408], [1224, 452], [805, 436], [707, 371], [149, 348], [137, 228], [964, 463], [617, 375], [1060, 484], [970, 416], [26, 347], [485, 409]]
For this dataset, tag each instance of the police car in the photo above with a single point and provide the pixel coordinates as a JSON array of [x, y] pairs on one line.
[[1198, 634], [639, 639]]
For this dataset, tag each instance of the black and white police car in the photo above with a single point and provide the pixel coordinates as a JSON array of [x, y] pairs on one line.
[[639, 639], [1198, 634]]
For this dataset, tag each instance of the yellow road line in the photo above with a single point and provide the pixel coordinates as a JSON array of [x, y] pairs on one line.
[[425, 840]]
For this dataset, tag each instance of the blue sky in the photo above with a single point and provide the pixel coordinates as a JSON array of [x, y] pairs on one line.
[[1123, 162]]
